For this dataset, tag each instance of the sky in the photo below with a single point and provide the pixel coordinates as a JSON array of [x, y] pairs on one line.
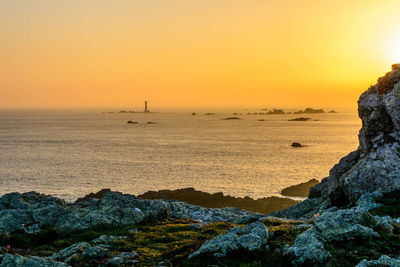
[[197, 53]]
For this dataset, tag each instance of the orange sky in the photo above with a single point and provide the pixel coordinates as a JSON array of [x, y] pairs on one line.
[[281, 53]]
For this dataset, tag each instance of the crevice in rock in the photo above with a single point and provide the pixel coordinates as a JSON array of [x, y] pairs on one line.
[[338, 198]]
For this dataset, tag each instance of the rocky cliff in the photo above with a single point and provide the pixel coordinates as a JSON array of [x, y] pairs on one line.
[[375, 165], [359, 202]]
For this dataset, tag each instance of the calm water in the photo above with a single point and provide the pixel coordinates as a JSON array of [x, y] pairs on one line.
[[71, 153]]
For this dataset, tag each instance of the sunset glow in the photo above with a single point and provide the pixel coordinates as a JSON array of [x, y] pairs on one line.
[[86, 54]]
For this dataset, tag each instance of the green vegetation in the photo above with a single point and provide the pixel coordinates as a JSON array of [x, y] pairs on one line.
[[171, 239], [351, 252], [390, 205], [174, 240]]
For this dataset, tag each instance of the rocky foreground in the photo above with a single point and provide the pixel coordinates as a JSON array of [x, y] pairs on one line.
[[351, 218]]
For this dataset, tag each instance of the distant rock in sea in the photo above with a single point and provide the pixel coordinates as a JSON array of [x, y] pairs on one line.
[[299, 190], [296, 144], [275, 112], [132, 122], [194, 114], [209, 113], [300, 119], [232, 118], [151, 122], [309, 111]]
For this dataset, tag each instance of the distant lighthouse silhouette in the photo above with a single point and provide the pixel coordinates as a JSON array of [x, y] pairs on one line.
[[145, 107]]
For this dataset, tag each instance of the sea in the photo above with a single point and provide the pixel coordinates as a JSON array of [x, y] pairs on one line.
[[70, 153]]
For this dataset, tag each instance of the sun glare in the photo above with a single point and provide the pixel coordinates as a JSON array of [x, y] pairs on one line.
[[393, 49]]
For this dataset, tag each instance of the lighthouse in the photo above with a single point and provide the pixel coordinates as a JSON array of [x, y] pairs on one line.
[[145, 107]]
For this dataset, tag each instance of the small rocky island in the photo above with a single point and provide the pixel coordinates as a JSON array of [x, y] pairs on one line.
[[350, 218], [300, 119]]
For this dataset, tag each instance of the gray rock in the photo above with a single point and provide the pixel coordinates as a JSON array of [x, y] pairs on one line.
[[67, 252], [112, 209], [122, 258], [12, 219], [15, 260], [303, 210], [95, 252], [339, 225], [383, 261], [307, 248], [74, 256], [32, 229], [105, 239], [252, 237], [181, 210], [346, 225]]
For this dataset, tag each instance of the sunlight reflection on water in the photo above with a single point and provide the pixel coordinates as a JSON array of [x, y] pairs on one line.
[[71, 153]]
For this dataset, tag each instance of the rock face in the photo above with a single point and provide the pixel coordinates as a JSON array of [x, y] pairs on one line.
[[375, 165], [340, 205]]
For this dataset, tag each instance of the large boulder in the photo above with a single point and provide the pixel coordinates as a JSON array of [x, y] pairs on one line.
[[339, 225], [375, 165], [252, 237]]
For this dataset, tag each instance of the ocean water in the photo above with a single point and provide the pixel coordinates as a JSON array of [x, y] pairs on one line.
[[71, 153]]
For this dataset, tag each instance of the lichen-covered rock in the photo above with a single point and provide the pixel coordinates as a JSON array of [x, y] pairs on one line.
[[15, 260], [68, 251], [122, 258], [33, 211], [181, 210], [105, 239], [303, 210], [339, 225], [307, 248], [345, 225], [383, 261], [252, 237], [95, 252]]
